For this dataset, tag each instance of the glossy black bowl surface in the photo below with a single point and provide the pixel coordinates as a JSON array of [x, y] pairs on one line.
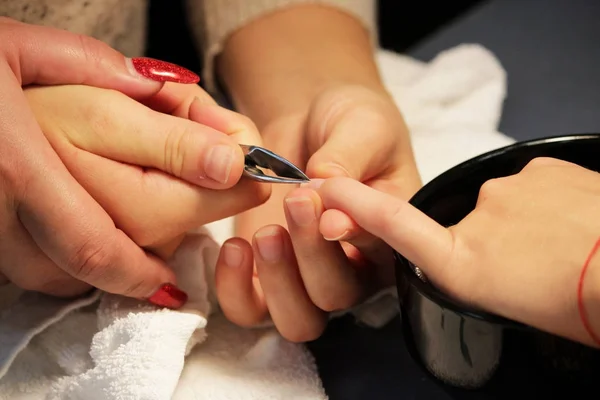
[[473, 349]]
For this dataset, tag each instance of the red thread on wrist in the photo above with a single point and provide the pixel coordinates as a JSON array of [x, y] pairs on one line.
[[580, 304]]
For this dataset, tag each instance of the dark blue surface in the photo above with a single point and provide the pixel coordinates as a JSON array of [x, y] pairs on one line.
[[551, 51]]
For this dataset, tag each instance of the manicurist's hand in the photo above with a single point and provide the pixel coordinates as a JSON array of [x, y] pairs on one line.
[[145, 167], [48, 220]]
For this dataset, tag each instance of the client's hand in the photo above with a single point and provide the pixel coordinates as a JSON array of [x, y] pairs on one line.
[[349, 131], [118, 149], [521, 253]]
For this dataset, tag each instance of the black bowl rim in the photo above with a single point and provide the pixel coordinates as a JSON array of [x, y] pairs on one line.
[[448, 177]]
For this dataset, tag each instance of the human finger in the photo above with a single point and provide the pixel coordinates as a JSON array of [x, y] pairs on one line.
[[412, 233], [336, 226], [176, 98], [119, 128], [330, 280], [62, 219], [292, 310], [349, 135], [157, 207], [48, 56], [238, 290]]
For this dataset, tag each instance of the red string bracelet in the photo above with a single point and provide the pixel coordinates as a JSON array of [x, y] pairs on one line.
[[580, 304]]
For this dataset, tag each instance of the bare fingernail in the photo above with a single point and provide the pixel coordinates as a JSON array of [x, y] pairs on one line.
[[218, 163], [232, 255], [313, 184], [269, 243], [169, 296], [302, 210], [337, 238]]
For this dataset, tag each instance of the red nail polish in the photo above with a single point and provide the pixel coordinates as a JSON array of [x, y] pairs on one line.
[[169, 296], [163, 71]]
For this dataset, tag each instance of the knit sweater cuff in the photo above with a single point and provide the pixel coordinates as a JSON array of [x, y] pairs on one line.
[[213, 21]]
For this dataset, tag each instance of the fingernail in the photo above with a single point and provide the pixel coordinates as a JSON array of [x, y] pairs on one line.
[[169, 296], [218, 163], [232, 255], [337, 238], [313, 184], [161, 71], [270, 244], [302, 210]]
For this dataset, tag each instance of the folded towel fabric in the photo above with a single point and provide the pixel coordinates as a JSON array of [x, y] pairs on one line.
[[105, 346]]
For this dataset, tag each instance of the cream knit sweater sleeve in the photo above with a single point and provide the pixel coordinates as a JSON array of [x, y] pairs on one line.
[[212, 21]]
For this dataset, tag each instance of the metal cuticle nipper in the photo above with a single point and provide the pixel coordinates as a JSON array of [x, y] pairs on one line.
[[265, 166]]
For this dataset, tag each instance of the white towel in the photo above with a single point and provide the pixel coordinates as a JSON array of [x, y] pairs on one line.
[[108, 347]]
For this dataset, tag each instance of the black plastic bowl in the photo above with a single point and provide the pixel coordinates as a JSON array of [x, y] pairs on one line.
[[472, 349]]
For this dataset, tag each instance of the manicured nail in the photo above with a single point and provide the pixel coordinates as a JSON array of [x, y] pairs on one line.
[[162, 71], [269, 243], [169, 296], [218, 163], [232, 255], [302, 210], [313, 184]]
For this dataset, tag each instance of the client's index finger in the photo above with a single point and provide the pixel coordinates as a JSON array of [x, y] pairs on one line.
[[409, 231]]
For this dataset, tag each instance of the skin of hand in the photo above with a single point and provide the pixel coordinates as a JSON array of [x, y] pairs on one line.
[[47, 217], [314, 91], [520, 253], [129, 157]]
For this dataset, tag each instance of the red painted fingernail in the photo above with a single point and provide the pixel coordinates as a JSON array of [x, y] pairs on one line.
[[163, 71], [169, 296]]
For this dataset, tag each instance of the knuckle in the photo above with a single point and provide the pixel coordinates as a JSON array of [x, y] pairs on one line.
[[390, 216], [89, 53], [91, 259], [245, 131], [540, 162], [175, 146], [491, 188], [247, 123]]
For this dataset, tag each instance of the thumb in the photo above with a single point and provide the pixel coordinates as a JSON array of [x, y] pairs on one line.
[[351, 146], [47, 56], [409, 231]]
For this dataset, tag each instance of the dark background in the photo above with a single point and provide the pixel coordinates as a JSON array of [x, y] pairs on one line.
[[398, 28]]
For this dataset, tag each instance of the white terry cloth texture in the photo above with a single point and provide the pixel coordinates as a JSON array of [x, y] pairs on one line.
[[105, 346]]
